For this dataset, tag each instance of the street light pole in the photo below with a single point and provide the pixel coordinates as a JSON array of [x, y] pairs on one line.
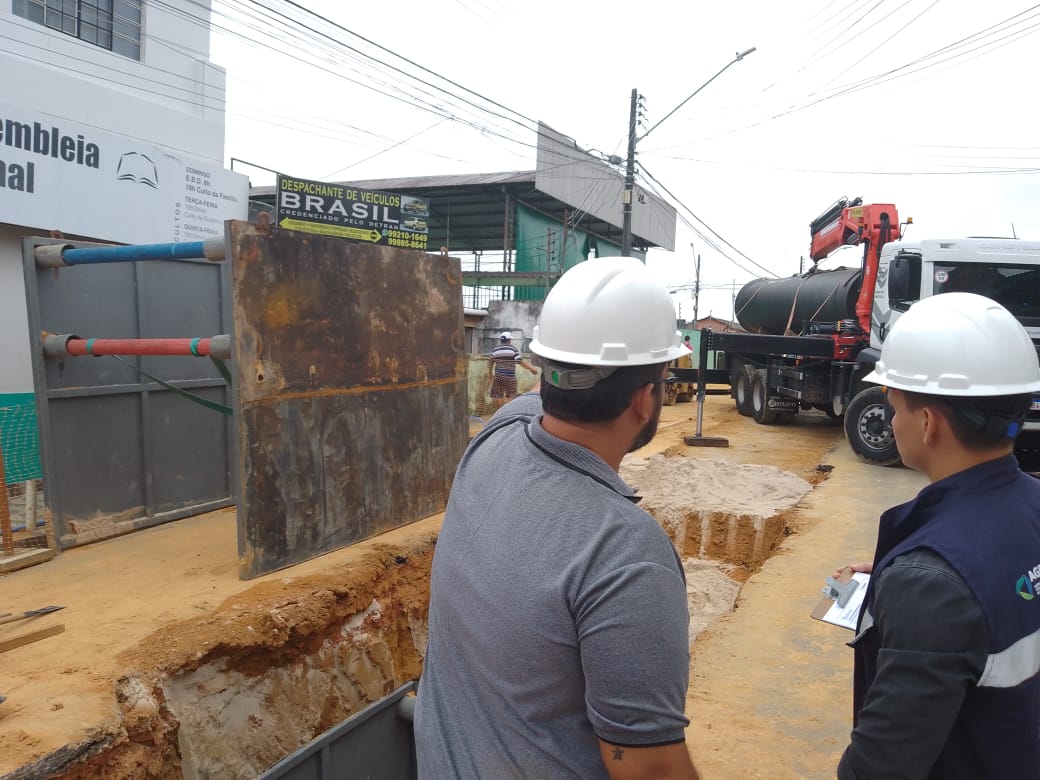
[[630, 164], [696, 287]]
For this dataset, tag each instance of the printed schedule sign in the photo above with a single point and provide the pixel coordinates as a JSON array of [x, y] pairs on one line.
[[369, 216]]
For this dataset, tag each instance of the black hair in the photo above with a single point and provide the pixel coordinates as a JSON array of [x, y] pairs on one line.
[[978, 422], [605, 400]]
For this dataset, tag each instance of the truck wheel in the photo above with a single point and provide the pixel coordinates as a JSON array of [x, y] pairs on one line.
[[869, 434], [760, 399], [745, 375]]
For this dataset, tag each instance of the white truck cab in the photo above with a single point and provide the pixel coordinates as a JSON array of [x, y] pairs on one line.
[[1004, 269]]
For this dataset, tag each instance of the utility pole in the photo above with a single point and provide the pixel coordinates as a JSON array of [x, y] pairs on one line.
[[696, 286], [563, 243], [697, 293], [630, 179], [630, 164], [549, 234]]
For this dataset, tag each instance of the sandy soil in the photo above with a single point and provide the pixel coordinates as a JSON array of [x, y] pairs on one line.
[[770, 688], [167, 601]]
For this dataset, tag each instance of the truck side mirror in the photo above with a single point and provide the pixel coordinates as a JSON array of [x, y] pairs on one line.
[[904, 281]]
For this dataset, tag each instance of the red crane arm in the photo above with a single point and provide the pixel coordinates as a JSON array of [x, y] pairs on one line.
[[850, 223]]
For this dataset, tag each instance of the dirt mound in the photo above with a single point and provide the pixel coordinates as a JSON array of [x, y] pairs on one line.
[[724, 518], [739, 488]]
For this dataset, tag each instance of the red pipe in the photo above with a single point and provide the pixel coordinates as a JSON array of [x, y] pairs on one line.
[[96, 347]]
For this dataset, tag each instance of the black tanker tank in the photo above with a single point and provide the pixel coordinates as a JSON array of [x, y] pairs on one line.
[[776, 305]]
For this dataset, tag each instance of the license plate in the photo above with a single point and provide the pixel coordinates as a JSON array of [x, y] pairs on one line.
[[1035, 406]]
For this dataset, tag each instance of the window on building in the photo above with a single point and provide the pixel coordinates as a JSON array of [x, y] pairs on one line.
[[110, 24]]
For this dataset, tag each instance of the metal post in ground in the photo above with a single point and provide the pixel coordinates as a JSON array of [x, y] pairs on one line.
[[697, 440], [30, 504]]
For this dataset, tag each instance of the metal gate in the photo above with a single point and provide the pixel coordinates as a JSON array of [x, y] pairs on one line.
[[120, 451]]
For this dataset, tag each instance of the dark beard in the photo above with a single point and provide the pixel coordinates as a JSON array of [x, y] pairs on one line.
[[649, 430]]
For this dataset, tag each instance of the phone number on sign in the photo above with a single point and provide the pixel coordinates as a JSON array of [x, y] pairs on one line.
[[406, 243]]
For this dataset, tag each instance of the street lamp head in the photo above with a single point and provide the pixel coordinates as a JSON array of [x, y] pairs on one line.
[[633, 139]]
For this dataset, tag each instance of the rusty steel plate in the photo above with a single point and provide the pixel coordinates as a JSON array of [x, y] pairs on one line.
[[350, 391]]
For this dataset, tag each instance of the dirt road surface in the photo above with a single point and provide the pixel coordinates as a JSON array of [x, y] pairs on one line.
[[770, 687]]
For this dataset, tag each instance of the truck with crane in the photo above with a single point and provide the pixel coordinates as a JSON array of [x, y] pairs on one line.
[[812, 338]]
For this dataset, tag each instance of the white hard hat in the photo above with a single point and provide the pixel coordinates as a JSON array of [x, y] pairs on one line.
[[505, 336], [608, 312], [958, 344]]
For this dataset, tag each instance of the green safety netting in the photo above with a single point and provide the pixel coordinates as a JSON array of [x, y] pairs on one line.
[[19, 440]]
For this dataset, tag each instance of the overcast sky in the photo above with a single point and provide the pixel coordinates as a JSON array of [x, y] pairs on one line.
[[927, 104]]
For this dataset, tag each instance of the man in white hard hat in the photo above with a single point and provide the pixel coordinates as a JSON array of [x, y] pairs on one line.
[[947, 677], [502, 363], [558, 634]]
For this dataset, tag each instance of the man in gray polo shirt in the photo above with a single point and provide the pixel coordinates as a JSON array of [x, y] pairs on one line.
[[558, 621]]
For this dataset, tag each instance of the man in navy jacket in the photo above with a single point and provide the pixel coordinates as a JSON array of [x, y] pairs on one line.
[[947, 650]]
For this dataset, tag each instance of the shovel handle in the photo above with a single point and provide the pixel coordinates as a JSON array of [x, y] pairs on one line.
[[9, 618]]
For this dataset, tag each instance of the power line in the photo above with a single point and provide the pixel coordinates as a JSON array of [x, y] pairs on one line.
[[875, 172], [904, 70], [874, 49], [708, 227], [410, 62], [948, 55], [295, 28], [387, 149]]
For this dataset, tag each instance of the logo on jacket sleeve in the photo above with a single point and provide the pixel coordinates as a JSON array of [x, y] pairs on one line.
[[1025, 588], [1026, 585]]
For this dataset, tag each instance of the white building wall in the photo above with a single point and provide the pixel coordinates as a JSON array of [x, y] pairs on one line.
[[172, 101], [174, 97], [517, 317]]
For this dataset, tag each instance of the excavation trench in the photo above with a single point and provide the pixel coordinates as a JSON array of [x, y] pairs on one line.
[[229, 693]]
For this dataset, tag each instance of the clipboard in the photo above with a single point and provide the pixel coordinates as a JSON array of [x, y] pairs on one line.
[[840, 606]]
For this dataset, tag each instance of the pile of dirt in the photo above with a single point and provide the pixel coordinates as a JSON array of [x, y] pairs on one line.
[[675, 485], [711, 591], [724, 518]]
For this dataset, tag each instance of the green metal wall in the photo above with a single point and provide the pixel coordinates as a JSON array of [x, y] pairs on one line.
[[540, 247]]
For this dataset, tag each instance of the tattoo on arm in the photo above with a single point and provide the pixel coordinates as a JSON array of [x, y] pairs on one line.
[[618, 753]]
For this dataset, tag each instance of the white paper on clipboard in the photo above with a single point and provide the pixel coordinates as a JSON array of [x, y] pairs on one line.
[[846, 616]]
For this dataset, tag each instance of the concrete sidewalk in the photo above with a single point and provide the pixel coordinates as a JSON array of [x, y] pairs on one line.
[[771, 688]]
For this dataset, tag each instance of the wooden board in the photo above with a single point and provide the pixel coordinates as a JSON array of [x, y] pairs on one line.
[[30, 637], [24, 558], [705, 441]]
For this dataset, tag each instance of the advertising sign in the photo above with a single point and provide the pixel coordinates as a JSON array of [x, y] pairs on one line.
[[60, 175], [370, 216]]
